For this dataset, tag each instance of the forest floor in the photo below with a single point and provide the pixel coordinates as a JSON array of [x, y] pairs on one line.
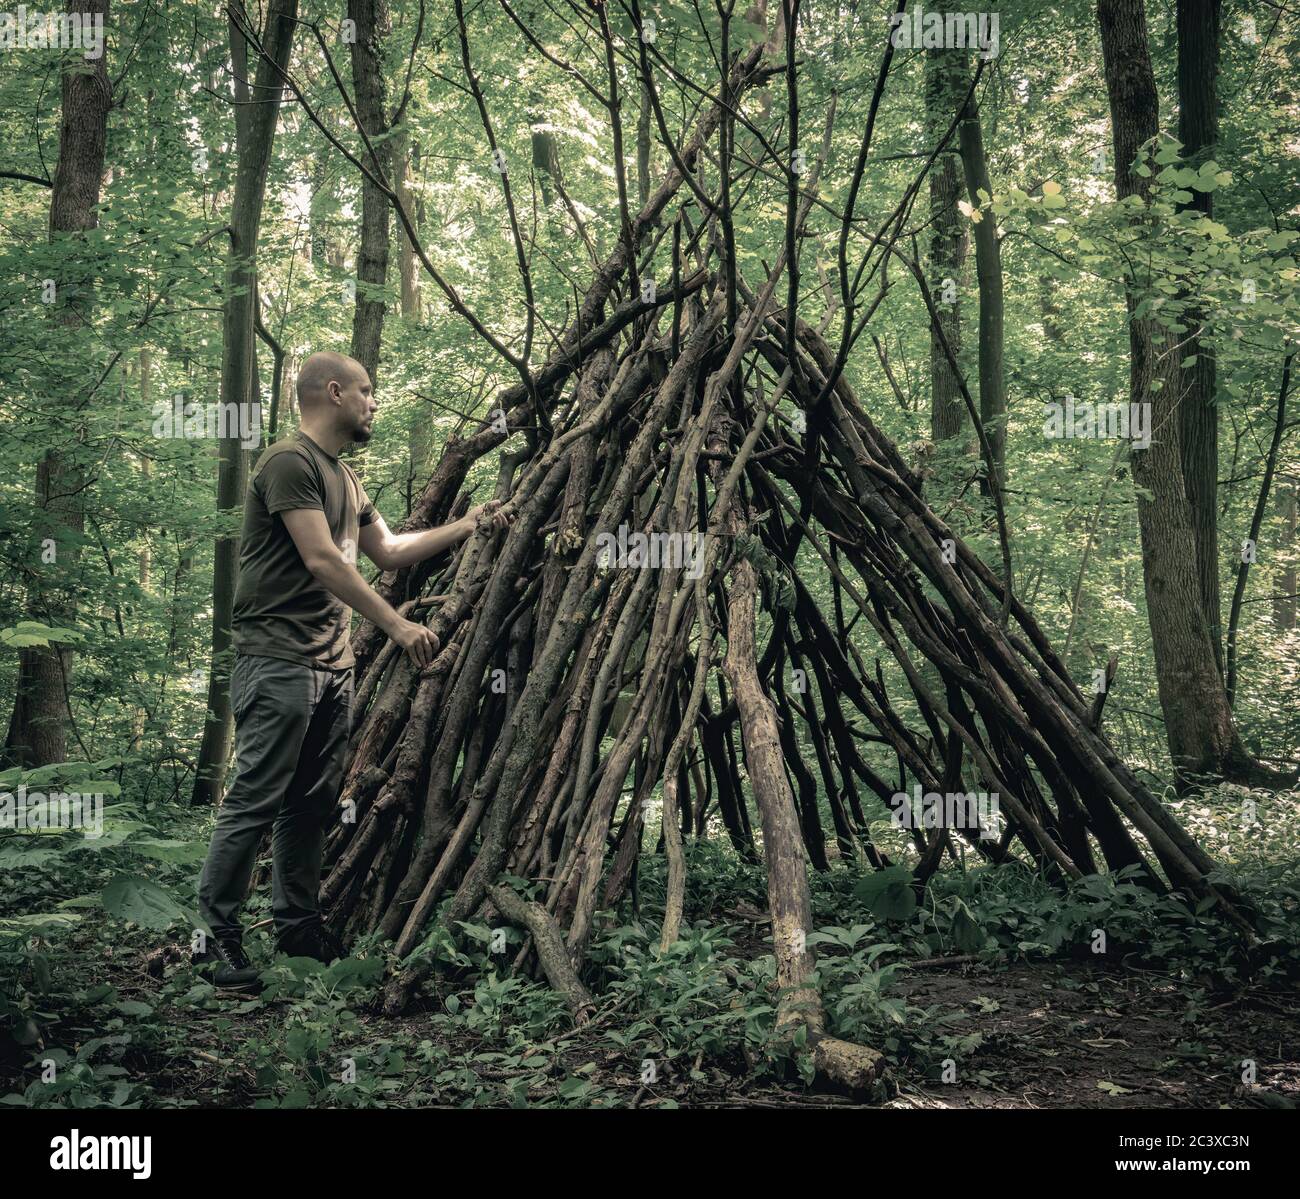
[[991, 992], [1057, 1036], [1034, 1034], [1053, 1037]]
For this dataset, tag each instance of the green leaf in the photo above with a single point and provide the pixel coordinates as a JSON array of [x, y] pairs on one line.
[[38, 922], [573, 1088], [967, 935], [133, 1007], [129, 897], [888, 893], [14, 855], [27, 633]]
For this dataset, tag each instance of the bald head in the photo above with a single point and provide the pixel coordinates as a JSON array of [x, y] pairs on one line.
[[322, 369], [335, 396]]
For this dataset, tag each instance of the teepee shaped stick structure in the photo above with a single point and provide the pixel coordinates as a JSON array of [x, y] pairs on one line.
[[695, 457]]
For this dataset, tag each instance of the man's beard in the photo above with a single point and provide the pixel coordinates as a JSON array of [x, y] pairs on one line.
[[361, 434]]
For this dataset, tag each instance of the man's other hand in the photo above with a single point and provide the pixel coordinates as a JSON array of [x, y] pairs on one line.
[[417, 641], [490, 514]]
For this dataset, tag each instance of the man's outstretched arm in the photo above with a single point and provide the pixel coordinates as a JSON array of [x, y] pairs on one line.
[[391, 551], [325, 561]]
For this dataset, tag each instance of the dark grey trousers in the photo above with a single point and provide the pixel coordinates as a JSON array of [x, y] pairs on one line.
[[291, 734]]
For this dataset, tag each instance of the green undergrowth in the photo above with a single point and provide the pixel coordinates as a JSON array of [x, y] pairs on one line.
[[98, 1006]]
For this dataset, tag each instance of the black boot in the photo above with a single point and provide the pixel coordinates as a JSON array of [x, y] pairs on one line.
[[311, 940], [226, 965]]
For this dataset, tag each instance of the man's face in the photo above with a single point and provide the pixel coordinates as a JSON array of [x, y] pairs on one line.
[[357, 405]]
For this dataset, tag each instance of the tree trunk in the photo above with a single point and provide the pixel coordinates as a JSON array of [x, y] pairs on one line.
[[988, 269], [1286, 578], [943, 97], [420, 438], [1202, 736], [372, 27], [404, 157], [146, 553], [38, 727], [1256, 523], [1198, 415], [256, 115], [317, 241]]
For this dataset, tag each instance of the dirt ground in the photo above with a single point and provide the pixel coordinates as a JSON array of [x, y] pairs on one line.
[[1052, 1035], [1072, 1037]]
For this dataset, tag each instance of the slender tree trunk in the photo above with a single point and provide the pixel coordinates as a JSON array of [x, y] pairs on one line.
[[39, 724], [256, 115], [146, 552], [546, 159], [1203, 739], [404, 155], [373, 26], [1285, 579], [644, 118], [943, 96], [1050, 308], [988, 270], [1256, 523], [420, 439], [1198, 130], [317, 241]]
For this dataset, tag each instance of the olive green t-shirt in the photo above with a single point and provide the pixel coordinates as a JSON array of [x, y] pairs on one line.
[[281, 611]]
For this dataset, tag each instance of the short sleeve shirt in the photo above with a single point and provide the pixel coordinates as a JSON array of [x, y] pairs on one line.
[[281, 611]]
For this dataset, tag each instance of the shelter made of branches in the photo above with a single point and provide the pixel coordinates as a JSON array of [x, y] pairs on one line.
[[704, 408]]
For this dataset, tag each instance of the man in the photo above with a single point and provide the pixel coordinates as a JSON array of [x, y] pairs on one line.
[[305, 517]]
